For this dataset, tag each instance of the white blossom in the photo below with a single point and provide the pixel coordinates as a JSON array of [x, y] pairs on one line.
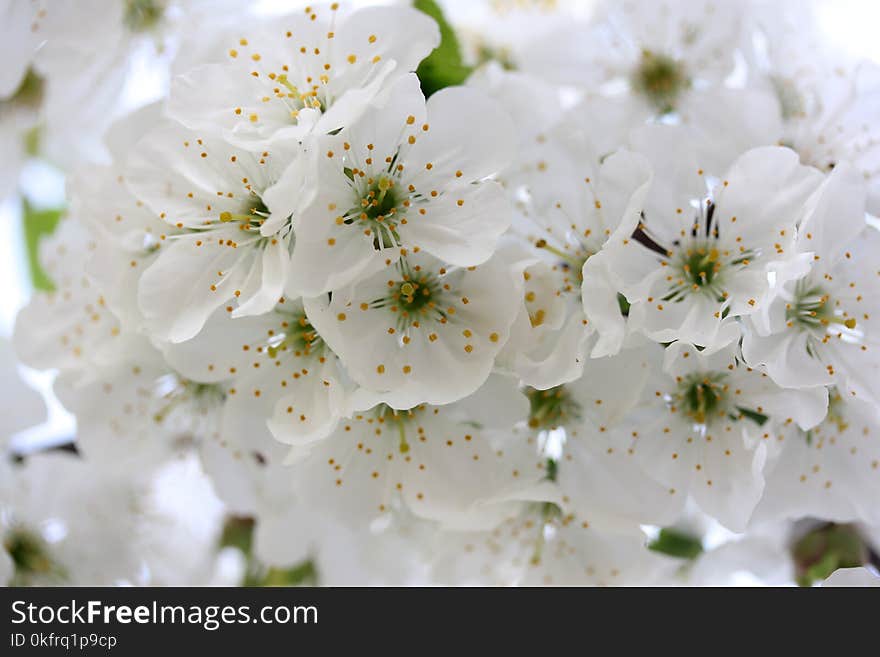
[[508, 293], [820, 329], [231, 245], [408, 175], [312, 71], [694, 252], [420, 331]]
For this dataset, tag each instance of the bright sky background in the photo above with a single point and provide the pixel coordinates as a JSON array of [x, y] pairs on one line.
[[851, 25]]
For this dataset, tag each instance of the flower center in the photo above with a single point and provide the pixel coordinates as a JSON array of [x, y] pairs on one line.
[[702, 396], [551, 408], [700, 266], [791, 102], [836, 410], [572, 264], [701, 269], [299, 337], [196, 398], [811, 309], [699, 259], [252, 218], [417, 296], [380, 201], [375, 211], [836, 416], [385, 415], [141, 15], [661, 79], [29, 554], [487, 52], [310, 99]]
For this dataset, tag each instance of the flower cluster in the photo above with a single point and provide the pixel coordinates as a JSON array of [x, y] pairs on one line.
[[552, 301]]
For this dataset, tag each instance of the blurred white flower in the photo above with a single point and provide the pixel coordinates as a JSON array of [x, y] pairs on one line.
[[20, 405]]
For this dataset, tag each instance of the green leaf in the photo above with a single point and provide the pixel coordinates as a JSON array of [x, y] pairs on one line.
[[677, 544], [37, 224], [444, 67]]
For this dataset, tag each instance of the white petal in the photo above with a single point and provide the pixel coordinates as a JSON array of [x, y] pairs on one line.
[[852, 577], [436, 361], [311, 407], [468, 132], [601, 307], [462, 226], [178, 314], [272, 264]]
